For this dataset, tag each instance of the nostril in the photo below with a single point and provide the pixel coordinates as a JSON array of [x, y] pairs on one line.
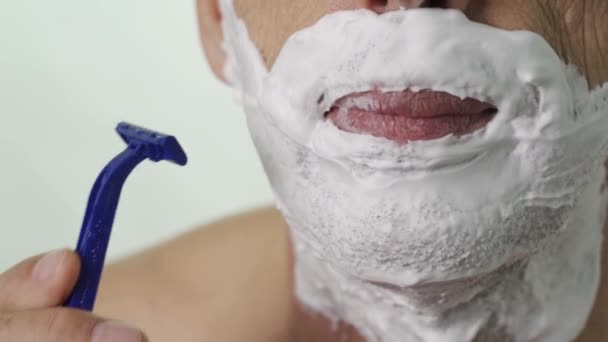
[[434, 4], [378, 6], [382, 6], [378, 3]]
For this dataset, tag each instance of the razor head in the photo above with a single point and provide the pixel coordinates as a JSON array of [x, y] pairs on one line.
[[153, 145]]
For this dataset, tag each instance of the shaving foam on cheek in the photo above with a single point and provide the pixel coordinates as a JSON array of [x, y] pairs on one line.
[[483, 237]]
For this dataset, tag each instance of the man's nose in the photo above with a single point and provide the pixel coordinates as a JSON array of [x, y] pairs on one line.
[[383, 6]]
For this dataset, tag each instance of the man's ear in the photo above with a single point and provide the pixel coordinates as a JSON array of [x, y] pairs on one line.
[[210, 26]]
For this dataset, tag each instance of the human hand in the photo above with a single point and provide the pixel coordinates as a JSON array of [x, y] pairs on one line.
[[31, 295]]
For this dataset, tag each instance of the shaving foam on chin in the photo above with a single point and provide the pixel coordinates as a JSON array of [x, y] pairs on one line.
[[485, 237]]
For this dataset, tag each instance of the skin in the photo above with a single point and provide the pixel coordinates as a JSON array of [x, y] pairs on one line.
[[576, 30], [232, 280]]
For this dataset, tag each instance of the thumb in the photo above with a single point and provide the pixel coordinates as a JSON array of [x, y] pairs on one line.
[[39, 282], [61, 324]]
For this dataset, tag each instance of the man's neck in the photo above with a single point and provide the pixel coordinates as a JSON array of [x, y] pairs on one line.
[[596, 328]]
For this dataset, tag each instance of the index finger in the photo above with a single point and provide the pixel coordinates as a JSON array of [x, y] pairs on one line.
[[40, 281]]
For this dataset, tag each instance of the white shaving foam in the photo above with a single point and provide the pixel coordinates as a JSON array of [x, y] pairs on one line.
[[488, 237]]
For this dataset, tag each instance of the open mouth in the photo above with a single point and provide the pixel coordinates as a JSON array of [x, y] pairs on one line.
[[410, 116]]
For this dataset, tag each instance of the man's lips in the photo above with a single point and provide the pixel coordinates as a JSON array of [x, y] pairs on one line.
[[410, 116]]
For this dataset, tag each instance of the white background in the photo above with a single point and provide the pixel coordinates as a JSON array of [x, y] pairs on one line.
[[69, 71]]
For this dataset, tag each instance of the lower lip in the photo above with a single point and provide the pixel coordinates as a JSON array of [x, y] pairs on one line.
[[402, 129]]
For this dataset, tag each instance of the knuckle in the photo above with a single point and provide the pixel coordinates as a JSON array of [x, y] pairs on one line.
[[53, 320]]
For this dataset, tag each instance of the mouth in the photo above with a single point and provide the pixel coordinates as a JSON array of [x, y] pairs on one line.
[[410, 116]]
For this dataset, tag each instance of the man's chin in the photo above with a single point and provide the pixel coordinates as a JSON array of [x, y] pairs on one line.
[[421, 246]]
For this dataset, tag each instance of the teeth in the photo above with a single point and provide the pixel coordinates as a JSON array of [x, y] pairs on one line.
[[361, 102]]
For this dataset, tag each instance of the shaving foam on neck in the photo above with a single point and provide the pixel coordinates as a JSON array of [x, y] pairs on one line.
[[486, 237]]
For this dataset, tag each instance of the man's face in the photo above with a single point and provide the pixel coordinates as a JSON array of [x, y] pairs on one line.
[[415, 151], [402, 130]]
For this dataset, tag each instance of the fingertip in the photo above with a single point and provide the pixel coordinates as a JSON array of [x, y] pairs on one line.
[[40, 281], [71, 266], [49, 265], [113, 331]]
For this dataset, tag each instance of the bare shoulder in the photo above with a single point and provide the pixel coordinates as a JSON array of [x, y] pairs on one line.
[[228, 281]]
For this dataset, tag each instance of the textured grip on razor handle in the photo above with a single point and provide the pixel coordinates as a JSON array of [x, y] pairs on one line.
[[97, 227]]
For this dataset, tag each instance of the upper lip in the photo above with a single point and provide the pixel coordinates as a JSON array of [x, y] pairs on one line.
[[410, 104]]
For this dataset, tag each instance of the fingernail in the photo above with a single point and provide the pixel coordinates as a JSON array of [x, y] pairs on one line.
[[48, 265], [115, 332]]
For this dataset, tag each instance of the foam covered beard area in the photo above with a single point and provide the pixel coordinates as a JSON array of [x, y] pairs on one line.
[[481, 237]]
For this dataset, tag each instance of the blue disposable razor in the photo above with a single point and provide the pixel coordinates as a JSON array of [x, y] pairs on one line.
[[97, 225]]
